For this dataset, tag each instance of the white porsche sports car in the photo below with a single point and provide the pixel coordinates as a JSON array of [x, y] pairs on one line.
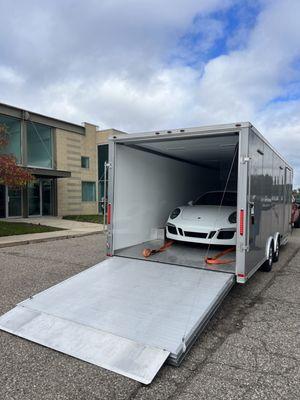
[[204, 221]]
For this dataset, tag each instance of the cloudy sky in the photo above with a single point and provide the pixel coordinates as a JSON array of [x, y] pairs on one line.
[[139, 65]]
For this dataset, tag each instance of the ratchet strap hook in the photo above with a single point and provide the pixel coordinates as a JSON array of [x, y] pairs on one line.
[[216, 258], [149, 252]]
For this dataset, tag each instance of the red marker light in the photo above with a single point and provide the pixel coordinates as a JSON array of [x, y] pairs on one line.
[[108, 213], [242, 215]]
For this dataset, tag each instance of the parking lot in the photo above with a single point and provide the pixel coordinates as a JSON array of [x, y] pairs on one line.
[[250, 349]]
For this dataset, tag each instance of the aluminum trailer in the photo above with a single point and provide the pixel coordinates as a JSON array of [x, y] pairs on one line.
[[129, 314]]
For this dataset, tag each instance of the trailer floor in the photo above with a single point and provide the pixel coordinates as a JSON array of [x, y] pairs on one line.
[[181, 253]]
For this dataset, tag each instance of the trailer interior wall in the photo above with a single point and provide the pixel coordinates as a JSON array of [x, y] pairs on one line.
[[152, 178]]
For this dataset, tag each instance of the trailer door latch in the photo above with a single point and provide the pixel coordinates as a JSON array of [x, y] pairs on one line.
[[244, 247]]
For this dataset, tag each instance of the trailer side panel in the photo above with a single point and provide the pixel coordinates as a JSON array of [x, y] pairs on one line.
[[269, 199]]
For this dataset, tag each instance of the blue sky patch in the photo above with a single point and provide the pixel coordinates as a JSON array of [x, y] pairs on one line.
[[216, 34]]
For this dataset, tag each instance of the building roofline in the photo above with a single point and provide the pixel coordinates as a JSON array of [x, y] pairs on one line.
[[22, 113]]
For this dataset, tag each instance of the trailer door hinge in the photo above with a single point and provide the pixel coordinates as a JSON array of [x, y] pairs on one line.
[[245, 159]]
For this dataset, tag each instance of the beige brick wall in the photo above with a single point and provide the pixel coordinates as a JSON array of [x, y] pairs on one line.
[[103, 135], [70, 147]]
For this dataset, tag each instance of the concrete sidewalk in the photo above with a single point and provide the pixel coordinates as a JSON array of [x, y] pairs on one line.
[[71, 229]]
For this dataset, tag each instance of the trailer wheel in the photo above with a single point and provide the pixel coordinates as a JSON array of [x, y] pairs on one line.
[[268, 264], [276, 251]]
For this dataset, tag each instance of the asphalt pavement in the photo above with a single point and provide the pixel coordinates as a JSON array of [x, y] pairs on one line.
[[249, 350]]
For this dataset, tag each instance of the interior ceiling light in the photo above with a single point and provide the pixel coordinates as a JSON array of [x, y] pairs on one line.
[[175, 148], [227, 145]]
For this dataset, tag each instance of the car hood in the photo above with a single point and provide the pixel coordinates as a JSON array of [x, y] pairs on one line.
[[206, 214]]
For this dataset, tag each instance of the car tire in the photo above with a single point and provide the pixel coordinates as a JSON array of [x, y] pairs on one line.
[[276, 251], [297, 223], [268, 264]]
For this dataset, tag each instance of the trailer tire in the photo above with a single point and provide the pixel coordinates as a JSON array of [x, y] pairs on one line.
[[297, 223], [276, 251], [268, 264]]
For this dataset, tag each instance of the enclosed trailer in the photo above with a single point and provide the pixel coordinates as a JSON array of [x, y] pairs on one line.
[[129, 313]]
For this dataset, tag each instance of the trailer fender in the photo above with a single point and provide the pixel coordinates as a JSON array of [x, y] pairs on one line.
[[277, 238], [270, 242], [268, 262], [277, 245]]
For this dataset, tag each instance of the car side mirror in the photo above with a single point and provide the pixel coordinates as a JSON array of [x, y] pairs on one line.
[[190, 203]]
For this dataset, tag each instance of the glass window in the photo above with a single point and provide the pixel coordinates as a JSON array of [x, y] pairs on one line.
[[14, 202], [102, 159], [2, 201], [88, 191], [39, 145], [85, 162], [34, 198], [47, 196], [216, 198], [13, 132]]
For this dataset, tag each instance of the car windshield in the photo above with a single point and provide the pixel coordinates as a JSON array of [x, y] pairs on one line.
[[215, 199]]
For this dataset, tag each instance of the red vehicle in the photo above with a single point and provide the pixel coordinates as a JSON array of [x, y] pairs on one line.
[[295, 213]]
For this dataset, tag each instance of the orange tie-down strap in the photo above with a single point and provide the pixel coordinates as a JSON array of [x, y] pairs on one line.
[[216, 258], [150, 252]]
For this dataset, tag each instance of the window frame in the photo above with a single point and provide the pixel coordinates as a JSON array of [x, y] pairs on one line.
[[94, 192], [86, 158]]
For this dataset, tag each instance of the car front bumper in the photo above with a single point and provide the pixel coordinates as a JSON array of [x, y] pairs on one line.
[[220, 236]]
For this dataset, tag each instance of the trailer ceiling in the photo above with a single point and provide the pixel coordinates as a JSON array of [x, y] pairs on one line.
[[205, 150]]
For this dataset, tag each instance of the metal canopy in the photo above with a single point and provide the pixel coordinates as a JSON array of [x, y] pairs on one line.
[[125, 315], [55, 173]]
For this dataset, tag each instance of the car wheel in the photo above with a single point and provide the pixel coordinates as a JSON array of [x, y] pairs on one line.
[[268, 264], [276, 251]]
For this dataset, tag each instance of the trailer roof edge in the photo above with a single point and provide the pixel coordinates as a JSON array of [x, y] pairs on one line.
[[233, 127], [271, 147], [209, 129]]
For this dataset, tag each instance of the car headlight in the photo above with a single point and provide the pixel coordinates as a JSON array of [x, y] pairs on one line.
[[175, 213], [232, 218]]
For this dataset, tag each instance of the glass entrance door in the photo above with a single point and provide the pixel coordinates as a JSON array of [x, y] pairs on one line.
[[2, 202], [34, 198], [47, 196], [14, 202]]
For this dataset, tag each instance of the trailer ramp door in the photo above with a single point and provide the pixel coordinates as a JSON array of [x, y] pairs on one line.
[[125, 315]]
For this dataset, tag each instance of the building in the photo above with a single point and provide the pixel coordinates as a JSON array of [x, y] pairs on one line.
[[66, 159]]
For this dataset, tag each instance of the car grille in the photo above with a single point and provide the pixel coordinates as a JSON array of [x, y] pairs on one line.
[[196, 234], [226, 234]]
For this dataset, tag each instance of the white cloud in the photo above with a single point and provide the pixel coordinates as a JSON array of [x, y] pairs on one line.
[[240, 85], [105, 61], [9, 77], [112, 63]]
